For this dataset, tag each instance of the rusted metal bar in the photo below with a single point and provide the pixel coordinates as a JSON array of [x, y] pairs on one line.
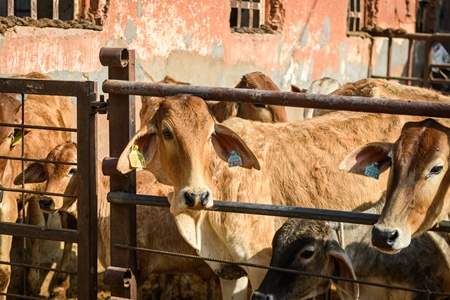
[[38, 160], [351, 103], [265, 209], [389, 57], [87, 193], [409, 63], [409, 79], [44, 233], [38, 127], [43, 87], [428, 58], [109, 165], [37, 267], [36, 192], [114, 57], [117, 276], [121, 117]]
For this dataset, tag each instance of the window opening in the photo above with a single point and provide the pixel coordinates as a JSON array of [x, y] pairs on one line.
[[354, 15]]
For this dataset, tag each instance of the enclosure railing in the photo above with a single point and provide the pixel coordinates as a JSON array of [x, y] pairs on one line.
[[429, 39], [122, 196], [85, 93]]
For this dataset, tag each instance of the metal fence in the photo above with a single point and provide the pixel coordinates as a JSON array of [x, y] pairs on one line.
[[86, 234], [123, 198]]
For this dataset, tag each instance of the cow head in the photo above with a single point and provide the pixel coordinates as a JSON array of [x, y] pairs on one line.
[[61, 178], [176, 143], [307, 246], [9, 106], [224, 110], [417, 185]]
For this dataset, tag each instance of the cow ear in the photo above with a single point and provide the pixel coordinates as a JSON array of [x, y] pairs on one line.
[[222, 110], [339, 265], [34, 173], [226, 140], [363, 157], [145, 140]]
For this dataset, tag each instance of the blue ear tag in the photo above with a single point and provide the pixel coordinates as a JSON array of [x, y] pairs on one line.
[[235, 160], [372, 171]]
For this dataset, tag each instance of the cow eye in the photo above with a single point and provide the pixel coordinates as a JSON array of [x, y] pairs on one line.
[[308, 252], [436, 170], [167, 134], [72, 171]]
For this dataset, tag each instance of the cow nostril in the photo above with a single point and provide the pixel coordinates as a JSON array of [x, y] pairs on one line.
[[204, 198], [46, 203], [384, 239], [189, 199]]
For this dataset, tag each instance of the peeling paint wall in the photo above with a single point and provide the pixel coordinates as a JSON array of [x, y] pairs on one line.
[[192, 41]]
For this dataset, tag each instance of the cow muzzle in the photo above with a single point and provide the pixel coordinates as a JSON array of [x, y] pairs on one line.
[[389, 240], [197, 201], [260, 296]]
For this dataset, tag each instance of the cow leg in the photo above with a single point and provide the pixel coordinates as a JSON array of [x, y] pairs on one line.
[[61, 281], [35, 217], [234, 289]]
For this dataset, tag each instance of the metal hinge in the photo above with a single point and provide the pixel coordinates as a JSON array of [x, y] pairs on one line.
[[100, 107]]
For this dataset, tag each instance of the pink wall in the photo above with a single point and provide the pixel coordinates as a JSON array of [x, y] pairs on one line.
[[192, 41]]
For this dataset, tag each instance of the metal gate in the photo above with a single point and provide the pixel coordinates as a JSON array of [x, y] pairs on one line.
[[122, 197], [86, 234]]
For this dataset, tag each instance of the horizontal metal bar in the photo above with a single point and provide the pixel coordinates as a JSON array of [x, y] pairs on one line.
[[278, 269], [44, 233], [45, 87], [38, 160], [37, 267], [417, 79], [265, 209], [439, 81], [22, 297], [351, 103], [38, 127], [36, 192], [440, 65]]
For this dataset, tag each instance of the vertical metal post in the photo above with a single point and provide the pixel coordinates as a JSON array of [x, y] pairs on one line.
[[427, 61], [389, 58], [10, 7], [55, 10], [122, 126], [87, 194], [33, 12], [411, 43]]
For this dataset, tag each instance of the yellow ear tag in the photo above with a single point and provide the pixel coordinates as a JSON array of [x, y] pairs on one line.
[[17, 138], [137, 159]]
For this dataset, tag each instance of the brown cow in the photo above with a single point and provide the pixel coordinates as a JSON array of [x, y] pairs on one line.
[[297, 162], [417, 190], [254, 80], [156, 228], [9, 106], [224, 110], [40, 110], [380, 88]]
